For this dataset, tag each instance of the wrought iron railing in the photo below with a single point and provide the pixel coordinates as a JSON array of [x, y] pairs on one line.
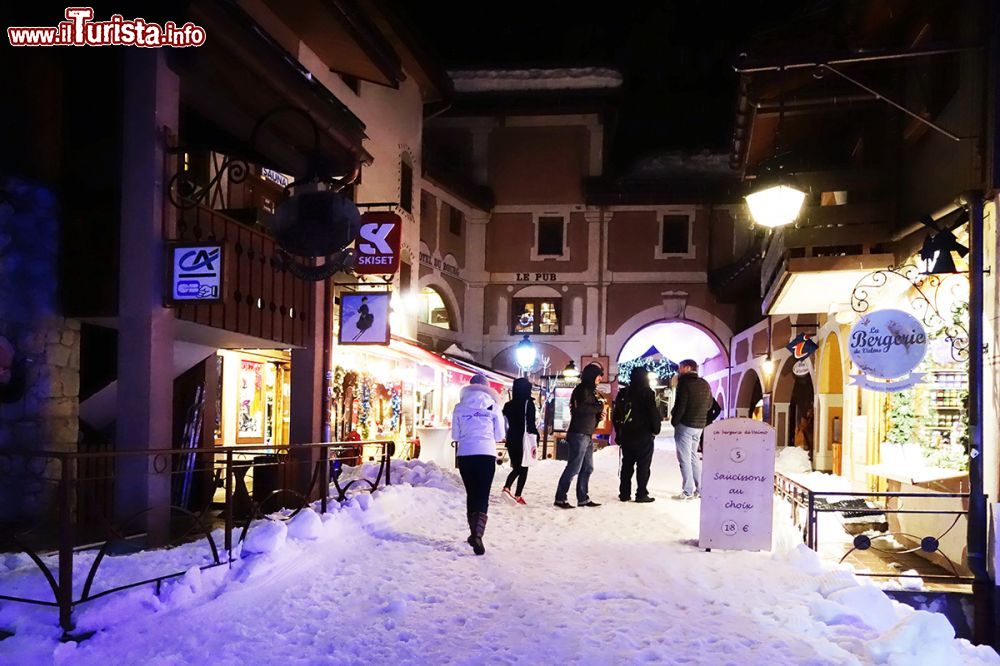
[[807, 505], [82, 505]]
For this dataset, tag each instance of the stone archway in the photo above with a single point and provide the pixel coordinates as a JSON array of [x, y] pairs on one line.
[[749, 394], [448, 296], [693, 315], [793, 402], [829, 407]]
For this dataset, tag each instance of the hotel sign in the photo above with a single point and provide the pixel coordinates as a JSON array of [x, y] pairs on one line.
[[195, 273], [887, 346]]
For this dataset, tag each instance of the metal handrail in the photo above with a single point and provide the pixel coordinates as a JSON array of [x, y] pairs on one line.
[[69, 485], [803, 498]]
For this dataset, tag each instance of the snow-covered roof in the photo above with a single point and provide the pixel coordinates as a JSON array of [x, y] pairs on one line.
[[572, 78], [674, 162]]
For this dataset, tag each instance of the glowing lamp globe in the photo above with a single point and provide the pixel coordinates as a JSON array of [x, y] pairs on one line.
[[570, 371], [525, 353], [775, 205]]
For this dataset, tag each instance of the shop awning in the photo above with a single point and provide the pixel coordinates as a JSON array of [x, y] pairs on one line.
[[492, 375], [461, 371], [814, 285]]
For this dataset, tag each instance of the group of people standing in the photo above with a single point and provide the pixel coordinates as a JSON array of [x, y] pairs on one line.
[[478, 423]]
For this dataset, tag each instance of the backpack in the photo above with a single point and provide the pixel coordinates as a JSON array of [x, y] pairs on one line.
[[621, 414]]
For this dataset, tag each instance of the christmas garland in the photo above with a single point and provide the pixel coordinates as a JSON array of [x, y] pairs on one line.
[[664, 369]]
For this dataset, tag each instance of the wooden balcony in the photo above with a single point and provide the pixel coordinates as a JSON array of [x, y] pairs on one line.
[[261, 299], [805, 269]]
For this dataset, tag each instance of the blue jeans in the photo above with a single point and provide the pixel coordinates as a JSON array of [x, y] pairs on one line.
[[581, 461], [686, 439]]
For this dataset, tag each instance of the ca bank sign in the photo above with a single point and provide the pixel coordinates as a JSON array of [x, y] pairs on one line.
[[196, 273]]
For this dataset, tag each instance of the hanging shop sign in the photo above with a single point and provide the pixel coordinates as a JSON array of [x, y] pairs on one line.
[[887, 345], [802, 346], [737, 485], [195, 273], [364, 318], [801, 368], [378, 244]]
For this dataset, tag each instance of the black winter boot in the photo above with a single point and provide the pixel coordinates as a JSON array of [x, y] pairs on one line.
[[477, 525]]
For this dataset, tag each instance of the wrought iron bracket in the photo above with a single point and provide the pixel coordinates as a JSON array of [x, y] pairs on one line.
[[925, 303]]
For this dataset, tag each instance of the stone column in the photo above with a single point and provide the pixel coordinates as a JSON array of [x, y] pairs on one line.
[[145, 327], [39, 403]]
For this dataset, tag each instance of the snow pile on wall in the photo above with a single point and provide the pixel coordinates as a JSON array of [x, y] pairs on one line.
[[306, 525], [792, 460], [266, 536]]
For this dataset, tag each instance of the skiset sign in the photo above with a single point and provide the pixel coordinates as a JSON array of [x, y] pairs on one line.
[[887, 346], [378, 244]]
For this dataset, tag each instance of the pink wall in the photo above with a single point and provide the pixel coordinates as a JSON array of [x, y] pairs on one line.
[[539, 164]]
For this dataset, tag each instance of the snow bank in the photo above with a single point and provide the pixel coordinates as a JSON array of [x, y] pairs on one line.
[[265, 536], [792, 460], [306, 525], [393, 588], [923, 638]]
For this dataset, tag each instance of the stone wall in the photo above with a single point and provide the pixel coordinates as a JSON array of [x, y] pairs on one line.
[[46, 345]]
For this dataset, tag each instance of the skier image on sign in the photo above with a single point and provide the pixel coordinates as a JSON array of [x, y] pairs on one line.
[[365, 318]]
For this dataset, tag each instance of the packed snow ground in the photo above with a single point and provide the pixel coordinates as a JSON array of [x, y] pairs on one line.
[[389, 579]]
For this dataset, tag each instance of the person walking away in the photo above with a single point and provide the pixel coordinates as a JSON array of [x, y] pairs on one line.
[[636, 418], [692, 402], [477, 426], [586, 408], [520, 414]]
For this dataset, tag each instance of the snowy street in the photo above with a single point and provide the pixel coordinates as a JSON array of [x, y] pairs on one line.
[[392, 580]]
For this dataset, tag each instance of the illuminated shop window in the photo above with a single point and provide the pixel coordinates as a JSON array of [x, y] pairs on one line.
[[432, 309], [535, 315]]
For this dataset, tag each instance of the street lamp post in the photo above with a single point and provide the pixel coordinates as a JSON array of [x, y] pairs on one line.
[[525, 354]]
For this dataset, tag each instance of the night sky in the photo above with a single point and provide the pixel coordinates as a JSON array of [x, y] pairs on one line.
[[676, 56]]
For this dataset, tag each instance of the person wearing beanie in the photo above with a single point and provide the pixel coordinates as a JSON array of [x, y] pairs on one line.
[[520, 415], [476, 427], [586, 408]]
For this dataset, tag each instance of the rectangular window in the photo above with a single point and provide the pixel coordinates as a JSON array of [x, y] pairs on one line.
[[676, 234], [550, 236], [406, 187], [538, 316], [455, 218]]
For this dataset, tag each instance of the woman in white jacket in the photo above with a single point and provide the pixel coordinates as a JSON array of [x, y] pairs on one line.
[[477, 425]]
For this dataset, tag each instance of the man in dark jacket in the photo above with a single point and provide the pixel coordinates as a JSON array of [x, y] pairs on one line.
[[586, 408], [637, 423], [692, 402]]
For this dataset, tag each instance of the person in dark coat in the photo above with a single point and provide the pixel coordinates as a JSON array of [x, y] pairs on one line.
[[692, 402], [520, 414], [586, 407], [637, 423]]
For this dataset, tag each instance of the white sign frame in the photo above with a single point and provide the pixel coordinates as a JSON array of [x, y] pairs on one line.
[[887, 346], [737, 485], [196, 274]]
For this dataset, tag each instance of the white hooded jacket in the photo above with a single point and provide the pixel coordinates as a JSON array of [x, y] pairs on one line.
[[477, 424]]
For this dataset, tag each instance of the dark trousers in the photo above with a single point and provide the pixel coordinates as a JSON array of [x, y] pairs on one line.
[[477, 475], [639, 456], [518, 472]]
